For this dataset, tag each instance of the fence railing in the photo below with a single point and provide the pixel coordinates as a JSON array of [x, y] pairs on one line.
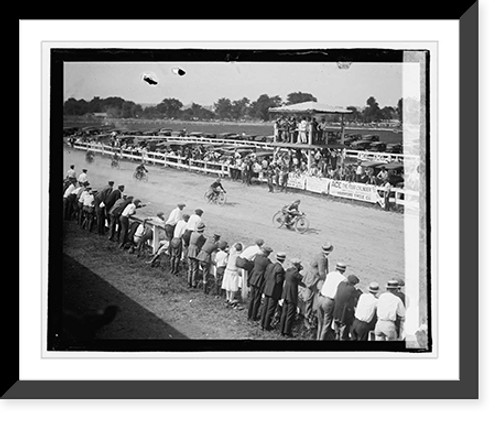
[[326, 186]]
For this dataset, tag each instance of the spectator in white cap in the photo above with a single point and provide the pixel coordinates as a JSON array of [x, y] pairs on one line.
[[389, 309], [365, 314]]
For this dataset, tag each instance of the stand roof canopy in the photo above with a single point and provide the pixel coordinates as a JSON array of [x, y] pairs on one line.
[[310, 107]]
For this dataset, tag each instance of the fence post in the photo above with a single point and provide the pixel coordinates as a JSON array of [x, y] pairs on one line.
[[156, 238]]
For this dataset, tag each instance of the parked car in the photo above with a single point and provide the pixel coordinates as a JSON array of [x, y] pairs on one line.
[[371, 137], [394, 148], [378, 146], [360, 145]]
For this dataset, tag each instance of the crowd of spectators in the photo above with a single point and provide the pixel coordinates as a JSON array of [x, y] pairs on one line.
[[283, 294], [248, 166]]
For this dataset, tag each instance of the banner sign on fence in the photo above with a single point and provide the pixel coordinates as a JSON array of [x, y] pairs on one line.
[[317, 185], [296, 181], [356, 191]]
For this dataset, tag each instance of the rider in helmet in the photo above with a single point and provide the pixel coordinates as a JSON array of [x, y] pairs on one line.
[[292, 211], [216, 188]]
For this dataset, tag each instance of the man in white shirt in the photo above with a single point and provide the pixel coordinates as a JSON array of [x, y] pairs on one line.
[[71, 172], [390, 309], [85, 192], [194, 220], [364, 315], [181, 226], [124, 218], [173, 218], [88, 208], [83, 177], [249, 256], [68, 199], [326, 302]]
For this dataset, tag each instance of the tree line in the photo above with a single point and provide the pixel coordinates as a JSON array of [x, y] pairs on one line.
[[223, 109]]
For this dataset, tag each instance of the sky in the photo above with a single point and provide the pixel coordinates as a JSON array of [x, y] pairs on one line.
[[206, 82]]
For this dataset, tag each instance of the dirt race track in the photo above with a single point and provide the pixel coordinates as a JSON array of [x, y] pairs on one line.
[[369, 240]]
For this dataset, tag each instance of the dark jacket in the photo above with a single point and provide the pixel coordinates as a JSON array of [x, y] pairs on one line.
[[291, 287], [317, 271], [102, 195], [345, 299], [111, 199], [274, 278], [119, 207], [195, 244], [205, 254], [256, 279]]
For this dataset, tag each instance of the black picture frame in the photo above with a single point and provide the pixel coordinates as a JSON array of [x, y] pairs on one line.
[[466, 388]]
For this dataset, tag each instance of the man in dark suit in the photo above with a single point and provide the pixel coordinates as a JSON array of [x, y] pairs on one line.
[[110, 201], [256, 282], [114, 215], [313, 279], [100, 206], [205, 258], [290, 297], [273, 287], [345, 300]]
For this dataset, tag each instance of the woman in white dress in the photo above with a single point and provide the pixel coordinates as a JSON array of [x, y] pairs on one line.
[[232, 273]]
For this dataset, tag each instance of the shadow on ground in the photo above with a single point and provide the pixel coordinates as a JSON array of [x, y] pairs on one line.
[[82, 292]]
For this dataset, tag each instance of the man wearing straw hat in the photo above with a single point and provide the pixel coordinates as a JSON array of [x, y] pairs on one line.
[[273, 287], [313, 278], [365, 314], [326, 301], [290, 296], [389, 309]]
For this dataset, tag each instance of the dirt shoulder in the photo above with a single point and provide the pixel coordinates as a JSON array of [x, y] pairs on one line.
[[153, 303]]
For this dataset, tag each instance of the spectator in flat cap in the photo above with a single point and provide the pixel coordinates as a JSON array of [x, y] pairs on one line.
[[230, 280], [326, 301], [115, 213], [173, 218], [256, 282], [313, 279], [389, 309], [290, 297], [83, 177], [71, 174], [346, 299], [68, 199], [129, 211], [273, 288], [406, 303], [220, 263], [205, 258], [192, 223], [365, 314], [100, 206], [196, 242], [246, 262]]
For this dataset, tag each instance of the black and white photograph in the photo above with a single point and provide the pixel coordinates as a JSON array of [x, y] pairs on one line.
[[240, 199]]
